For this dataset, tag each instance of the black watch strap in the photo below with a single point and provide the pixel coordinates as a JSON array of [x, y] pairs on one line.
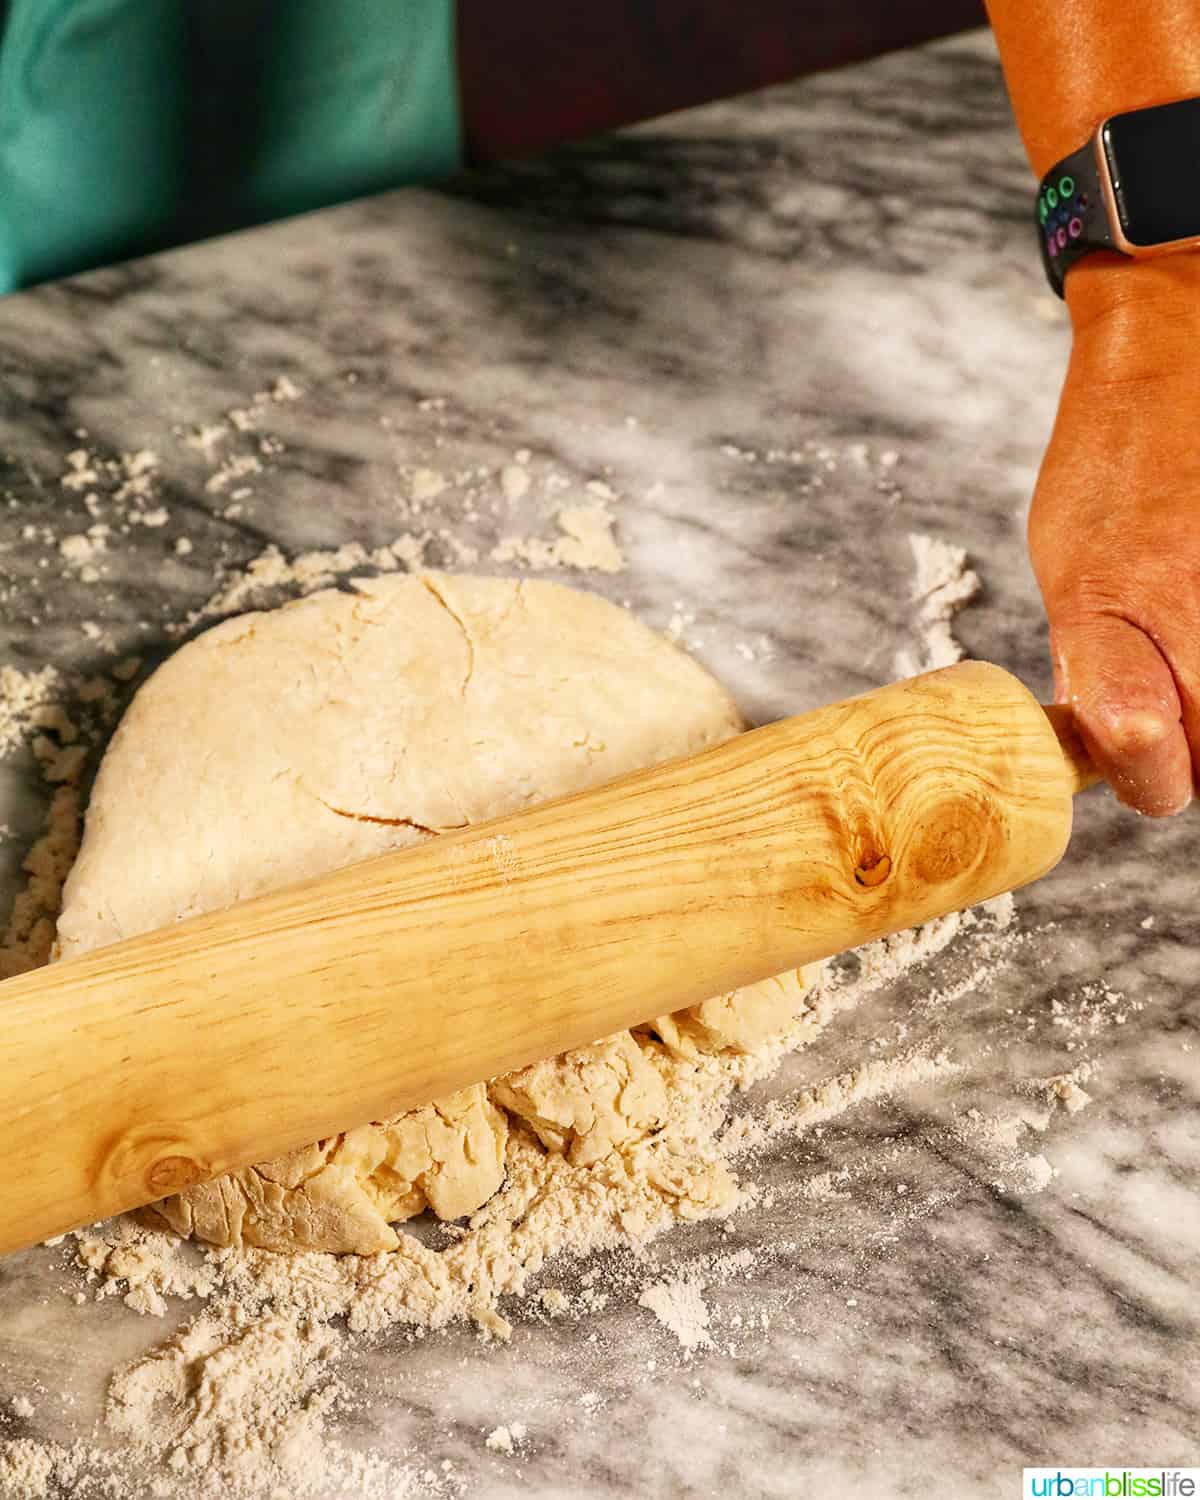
[[1072, 216]]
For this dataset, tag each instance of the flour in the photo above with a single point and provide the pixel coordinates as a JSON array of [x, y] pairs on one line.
[[26, 1468], [944, 584], [996, 1147], [237, 1406], [79, 551], [29, 933], [679, 1306], [816, 1106], [118, 491], [143, 1266], [1083, 1013]]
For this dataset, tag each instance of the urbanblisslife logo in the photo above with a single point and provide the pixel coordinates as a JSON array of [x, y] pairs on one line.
[[1111, 1484]]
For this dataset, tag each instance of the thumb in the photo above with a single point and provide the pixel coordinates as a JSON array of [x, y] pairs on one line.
[[1128, 710]]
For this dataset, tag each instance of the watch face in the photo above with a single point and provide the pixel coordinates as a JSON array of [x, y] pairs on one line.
[[1153, 155]]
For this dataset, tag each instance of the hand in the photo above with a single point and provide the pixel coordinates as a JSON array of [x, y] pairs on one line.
[[1114, 532]]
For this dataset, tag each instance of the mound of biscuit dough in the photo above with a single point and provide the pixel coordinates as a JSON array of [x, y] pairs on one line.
[[286, 743]]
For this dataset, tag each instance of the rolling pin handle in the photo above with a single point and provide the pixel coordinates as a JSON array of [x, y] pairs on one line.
[[1083, 769]]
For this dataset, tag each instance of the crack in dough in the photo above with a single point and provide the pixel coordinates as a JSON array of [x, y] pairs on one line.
[[437, 593], [391, 822], [356, 704]]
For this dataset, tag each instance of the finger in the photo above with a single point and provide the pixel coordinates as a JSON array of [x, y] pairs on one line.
[[1128, 711], [1179, 646]]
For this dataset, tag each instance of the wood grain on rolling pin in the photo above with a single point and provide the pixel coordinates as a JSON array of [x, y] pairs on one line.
[[233, 1037]]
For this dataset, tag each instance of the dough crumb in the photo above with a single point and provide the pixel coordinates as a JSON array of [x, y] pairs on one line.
[[514, 482], [22, 696], [506, 1439], [285, 390], [586, 543], [426, 484], [232, 470], [77, 549], [270, 574]]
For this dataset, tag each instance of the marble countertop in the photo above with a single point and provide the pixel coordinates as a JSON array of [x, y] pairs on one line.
[[785, 332]]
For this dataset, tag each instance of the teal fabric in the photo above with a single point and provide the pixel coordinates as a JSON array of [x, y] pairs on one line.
[[129, 125]]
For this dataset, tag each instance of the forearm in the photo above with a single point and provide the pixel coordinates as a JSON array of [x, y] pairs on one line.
[[1070, 63], [1113, 534]]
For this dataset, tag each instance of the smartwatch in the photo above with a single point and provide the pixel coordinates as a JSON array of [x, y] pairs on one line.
[[1133, 188]]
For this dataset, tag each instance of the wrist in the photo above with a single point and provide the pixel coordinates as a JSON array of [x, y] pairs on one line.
[[1145, 305]]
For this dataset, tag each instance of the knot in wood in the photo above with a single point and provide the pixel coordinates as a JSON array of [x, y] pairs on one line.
[[171, 1174], [873, 869]]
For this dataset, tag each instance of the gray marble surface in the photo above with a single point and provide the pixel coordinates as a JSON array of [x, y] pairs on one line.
[[729, 318]]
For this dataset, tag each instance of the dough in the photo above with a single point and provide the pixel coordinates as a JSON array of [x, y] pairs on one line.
[[279, 745]]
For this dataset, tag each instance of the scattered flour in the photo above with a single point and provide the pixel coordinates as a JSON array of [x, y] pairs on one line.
[[944, 584], [237, 1406], [679, 1306], [144, 1266], [876, 1079], [26, 1468]]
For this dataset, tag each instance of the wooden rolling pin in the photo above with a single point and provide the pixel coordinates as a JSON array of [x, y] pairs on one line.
[[230, 1038]]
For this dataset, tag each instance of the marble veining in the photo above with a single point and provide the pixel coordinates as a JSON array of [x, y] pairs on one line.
[[728, 318]]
